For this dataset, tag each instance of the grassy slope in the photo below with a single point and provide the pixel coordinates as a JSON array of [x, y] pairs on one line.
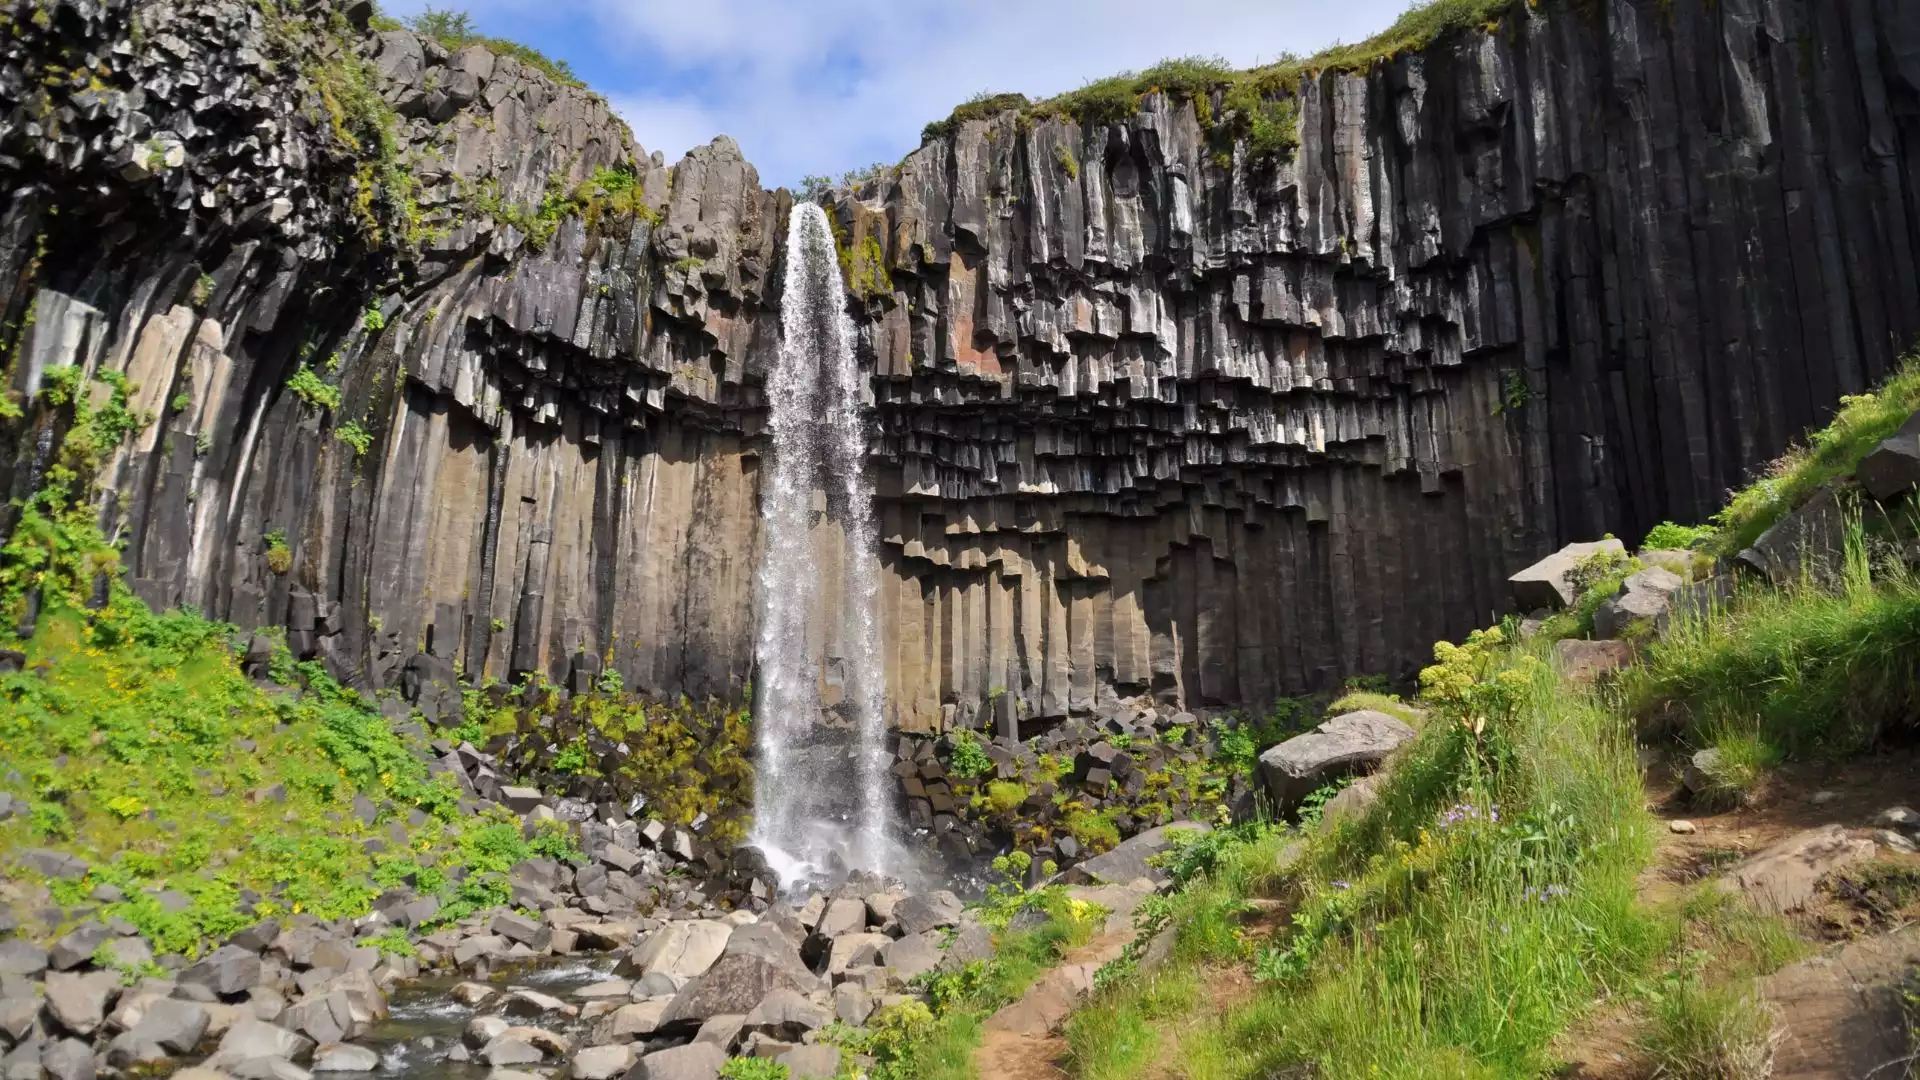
[[1428, 940], [139, 745]]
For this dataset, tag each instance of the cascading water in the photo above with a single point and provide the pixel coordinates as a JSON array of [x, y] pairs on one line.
[[821, 794]]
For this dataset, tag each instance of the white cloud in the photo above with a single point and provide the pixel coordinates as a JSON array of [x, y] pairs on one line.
[[824, 86]]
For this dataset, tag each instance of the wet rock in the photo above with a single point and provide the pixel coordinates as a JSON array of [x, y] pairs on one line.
[[534, 1003], [471, 993], [602, 1062], [269, 1068], [345, 1057]]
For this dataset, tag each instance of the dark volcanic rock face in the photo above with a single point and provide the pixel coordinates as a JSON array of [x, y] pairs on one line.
[[1144, 421]]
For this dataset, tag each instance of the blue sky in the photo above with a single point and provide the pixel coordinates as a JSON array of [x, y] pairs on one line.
[[826, 86]]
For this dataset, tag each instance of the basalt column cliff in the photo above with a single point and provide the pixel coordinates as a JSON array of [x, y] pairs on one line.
[[445, 373]]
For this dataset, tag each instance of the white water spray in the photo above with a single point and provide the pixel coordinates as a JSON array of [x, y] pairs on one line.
[[821, 793]]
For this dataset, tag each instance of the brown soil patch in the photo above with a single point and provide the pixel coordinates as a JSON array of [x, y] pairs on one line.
[[1855, 790]]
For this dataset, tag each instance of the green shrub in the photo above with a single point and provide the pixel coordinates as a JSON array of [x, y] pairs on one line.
[[355, 435], [966, 758], [1095, 831], [753, 1068], [279, 555], [1004, 797], [1667, 536], [308, 387]]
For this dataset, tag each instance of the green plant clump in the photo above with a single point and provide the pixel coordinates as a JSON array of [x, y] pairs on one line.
[[307, 385]]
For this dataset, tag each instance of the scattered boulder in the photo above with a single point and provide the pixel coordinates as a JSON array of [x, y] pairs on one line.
[[682, 949], [229, 969], [1356, 742], [602, 1062], [19, 956], [167, 1027], [843, 916], [1783, 877], [735, 984], [1547, 583], [811, 1062], [1128, 862], [1892, 468], [345, 1057], [695, 1061], [78, 946], [630, 1022], [1808, 542], [786, 1015], [68, 1059], [77, 1001], [1641, 603], [927, 911], [910, 956], [1582, 662], [248, 1040]]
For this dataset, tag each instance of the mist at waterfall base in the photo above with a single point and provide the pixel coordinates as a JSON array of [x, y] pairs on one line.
[[822, 797]]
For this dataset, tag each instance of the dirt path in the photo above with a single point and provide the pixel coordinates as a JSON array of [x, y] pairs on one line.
[[1020, 1041], [1838, 1017]]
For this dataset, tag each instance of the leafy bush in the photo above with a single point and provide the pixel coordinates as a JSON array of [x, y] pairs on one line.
[[355, 435], [308, 387], [1667, 536], [966, 759], [279, 555], [753, 1068], [1004, 797]]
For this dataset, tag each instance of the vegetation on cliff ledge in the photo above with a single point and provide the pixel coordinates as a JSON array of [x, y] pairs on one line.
[[1257, 105]]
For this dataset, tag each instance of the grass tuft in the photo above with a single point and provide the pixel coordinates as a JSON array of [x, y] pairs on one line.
[[1711, 1032]]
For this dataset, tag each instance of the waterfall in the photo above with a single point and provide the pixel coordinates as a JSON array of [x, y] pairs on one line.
[[821, 793]]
